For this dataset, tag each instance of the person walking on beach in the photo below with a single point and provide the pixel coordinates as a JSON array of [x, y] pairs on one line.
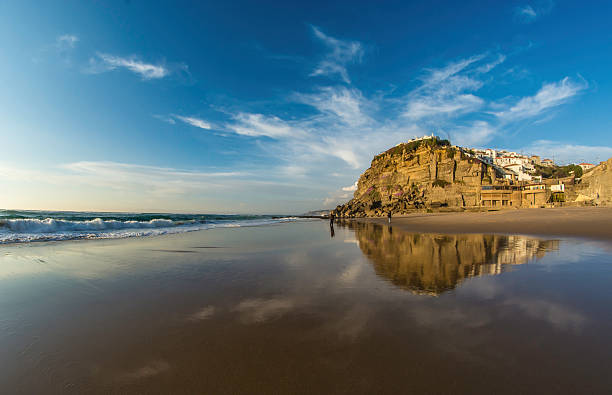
[[331, 218], [389, 216]]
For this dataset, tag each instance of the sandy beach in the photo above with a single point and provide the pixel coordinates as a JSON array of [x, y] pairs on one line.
[[302, 307], [581, 222]]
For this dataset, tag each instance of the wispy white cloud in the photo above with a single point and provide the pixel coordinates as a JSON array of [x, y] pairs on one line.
[[62, 48], [103, 62], [528, 13], [346, 105], [449, 91], [197, 122], [164, 118], [440, 105], [294, 170], [193, 121], [437, 76], [475, 134], [341, 54], [346, 154], [259, 125], [564, 152], [151, 179], [123, 186], [350, 188], [485, 68], [343, 134], [549, 96], [331, 201], [100, 62], [66, 41], [119, 169], [347, 128], [340, 129]]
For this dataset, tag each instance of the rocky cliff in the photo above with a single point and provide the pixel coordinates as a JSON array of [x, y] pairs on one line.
[[416, 175], [596, 185]]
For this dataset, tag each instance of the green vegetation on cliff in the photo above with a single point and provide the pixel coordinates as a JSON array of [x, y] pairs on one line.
[[558, 171], [431, 143]]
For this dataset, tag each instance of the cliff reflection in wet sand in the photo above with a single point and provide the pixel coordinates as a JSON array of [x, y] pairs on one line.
[[287, 309], [434, 263]]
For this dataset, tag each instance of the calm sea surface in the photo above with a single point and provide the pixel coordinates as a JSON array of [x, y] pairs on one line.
[[299, 308]]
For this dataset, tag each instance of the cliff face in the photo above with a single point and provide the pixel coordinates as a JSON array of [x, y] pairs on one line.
[[415, 175], [596, 185]]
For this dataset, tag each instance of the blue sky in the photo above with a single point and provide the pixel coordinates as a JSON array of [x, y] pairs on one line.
[[271, 107]]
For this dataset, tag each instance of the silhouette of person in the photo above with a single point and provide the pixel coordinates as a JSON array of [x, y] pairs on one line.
[[389, 216], [331, 218]]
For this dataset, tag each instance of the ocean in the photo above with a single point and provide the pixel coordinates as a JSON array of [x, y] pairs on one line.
[[25, 226]]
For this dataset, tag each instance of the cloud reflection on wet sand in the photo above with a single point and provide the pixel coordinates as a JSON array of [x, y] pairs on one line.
[[261, 310]]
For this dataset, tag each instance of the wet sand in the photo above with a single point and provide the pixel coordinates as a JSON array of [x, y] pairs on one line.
[[582, 222], [291, 309]]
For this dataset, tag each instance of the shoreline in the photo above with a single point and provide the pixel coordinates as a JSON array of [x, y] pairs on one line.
[[594, 223], [579, 222], [37, 230]]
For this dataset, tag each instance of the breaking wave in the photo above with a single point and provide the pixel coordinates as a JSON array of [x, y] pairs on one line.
[[29, 226], [59, 225]]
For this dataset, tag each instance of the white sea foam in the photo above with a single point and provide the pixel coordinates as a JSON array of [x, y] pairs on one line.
[[48, 225], [50, 229]]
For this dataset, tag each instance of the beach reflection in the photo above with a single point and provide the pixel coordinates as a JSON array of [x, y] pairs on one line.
[[433, 263], [289, 309]]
